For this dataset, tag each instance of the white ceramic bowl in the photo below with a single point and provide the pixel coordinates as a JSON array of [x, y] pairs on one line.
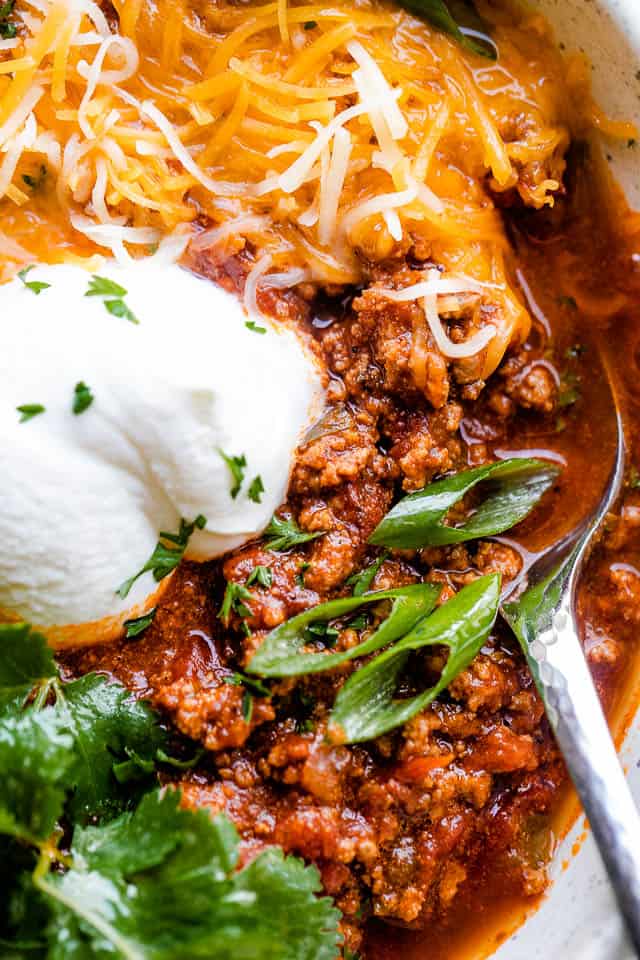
[[578, 919]]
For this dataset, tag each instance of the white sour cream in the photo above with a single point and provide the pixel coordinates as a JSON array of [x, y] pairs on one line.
[[83, 497]]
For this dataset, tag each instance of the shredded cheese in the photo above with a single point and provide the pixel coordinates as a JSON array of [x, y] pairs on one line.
[[370, 130]]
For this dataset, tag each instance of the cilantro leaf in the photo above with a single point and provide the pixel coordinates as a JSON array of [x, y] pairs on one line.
[[35, 759], [165, 558], [30, 410], [253, 326], [107, 725], [236, 466], [137, 625], [82, 397], [284, 534], [103, 287], [36, 286], [112, 294], [256, 489], [118, 308], [25, 661], [261, 575]]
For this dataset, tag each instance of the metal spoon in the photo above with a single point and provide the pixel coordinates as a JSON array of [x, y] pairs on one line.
[[544, 620]]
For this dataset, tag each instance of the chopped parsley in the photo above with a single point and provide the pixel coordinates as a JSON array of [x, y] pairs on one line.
[[236, 597], [239, 679], [252, 325], [36, 286], [237, 468], [251, 688], [112, 295], [633, 479], [82, 397], [247, 707], [138, 625], [263, 576], [569, 390], [166, 556], [323, 632], [103, 287], [310, 25], [29, 411], [256, 489], [362, 581], [284, 534], [300, 574]]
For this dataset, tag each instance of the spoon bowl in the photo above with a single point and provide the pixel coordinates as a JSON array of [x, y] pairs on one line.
[[543, 617]]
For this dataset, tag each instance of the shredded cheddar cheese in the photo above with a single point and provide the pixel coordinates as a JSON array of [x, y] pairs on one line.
[[328, 136]]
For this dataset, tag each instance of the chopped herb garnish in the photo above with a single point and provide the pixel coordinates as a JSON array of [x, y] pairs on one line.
[[359, 622], [103, 287], [300, 574], [165, 558], [138, 625], [236, 597], [82, 397], [310, 25], [163, 757], [247, 707], [29, 411], [323, 632], [633, 479], [256, 489], [284, 534], [36, 286], [35, 182], [239, 679], [569, 391], [263, 576], [252, 325], [112, 294], [237, 467], [118, 308], [569, 302], [362, 581]]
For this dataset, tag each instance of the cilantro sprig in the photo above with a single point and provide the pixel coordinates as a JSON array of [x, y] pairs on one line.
[[83, 753], [112, 295], [167, 554]]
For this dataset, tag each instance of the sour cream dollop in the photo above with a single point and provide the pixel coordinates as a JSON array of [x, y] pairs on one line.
[[83, 496]]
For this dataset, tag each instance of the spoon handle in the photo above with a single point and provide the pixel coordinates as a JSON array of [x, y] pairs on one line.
[[576, 717]]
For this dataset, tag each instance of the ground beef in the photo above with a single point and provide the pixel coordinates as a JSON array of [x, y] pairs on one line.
[[402, 826]]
